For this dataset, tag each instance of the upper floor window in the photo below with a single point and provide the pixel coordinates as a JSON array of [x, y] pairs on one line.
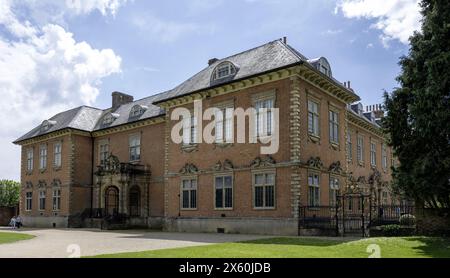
[[137, 111], [103, 151], [373, 154], [224, 70], [360, 149], [384, 159], [264, 116], [43, 157], [30, 158], [135, 147], [313, 190], [224, 124], [334, 127], [349, 146], [264, 190], [313, 118], [57, 154], [190, 130], [110, 118]]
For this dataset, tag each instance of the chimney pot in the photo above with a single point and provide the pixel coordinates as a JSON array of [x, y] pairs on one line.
[[349, 86], [285, 40]]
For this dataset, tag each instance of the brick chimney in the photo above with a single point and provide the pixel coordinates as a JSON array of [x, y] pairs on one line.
[[119, 98], [212, 61]]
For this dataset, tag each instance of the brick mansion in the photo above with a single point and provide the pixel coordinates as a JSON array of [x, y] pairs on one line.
[[90, 167]]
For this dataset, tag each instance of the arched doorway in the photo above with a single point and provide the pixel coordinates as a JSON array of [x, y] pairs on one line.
[[135, 201], [112, 200]]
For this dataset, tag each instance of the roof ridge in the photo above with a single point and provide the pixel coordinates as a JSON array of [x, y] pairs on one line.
[[248, 50]]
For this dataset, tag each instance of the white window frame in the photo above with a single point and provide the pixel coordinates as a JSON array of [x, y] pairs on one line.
[[224, 70], [56, 199], [57, 154], [224, 131], [42, 196], [384, 159], [43, 153], [190, 129], [314, 187], [334, 126], [349, 146], [193, 186], [373, 153], [264, 119], [334, 190], [360, 148], [28, 201], [313, 118], [134, 143], [224, 187], [30, 159], [103, 151], [266, 184]]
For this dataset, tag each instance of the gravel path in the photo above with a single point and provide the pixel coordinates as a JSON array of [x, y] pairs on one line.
[[63, 243]]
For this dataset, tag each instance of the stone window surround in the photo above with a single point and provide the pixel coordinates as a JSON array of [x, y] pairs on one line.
[[42, 147], [101, 143], [130, 138], [361, 147], [335, 109], [54, 190], [55, 144], [30, 198], [319, 175], [29, 169], [261, 96], [334, 178], [264, 171], [373, 142], [314, 97]]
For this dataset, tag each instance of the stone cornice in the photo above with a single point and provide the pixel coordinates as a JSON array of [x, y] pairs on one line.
[[369, 127], [53, 135], [305, 72], [129, 126]]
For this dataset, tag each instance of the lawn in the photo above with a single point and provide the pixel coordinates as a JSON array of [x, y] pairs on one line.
[[407, 247], [12, 237]]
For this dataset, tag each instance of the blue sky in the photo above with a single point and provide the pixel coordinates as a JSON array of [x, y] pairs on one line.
[[59, 54]]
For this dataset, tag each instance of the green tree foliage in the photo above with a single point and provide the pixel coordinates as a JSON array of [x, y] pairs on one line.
[[9, 193], [418, 112]]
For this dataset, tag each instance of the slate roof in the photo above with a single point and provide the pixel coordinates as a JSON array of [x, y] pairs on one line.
[[268, 57]]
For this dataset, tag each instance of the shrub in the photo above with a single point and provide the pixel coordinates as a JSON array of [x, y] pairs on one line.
[[391, 230], [407, 220]]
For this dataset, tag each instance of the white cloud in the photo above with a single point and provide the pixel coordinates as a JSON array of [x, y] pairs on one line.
[[164, 31], [87, 6], [397, 19], [43, 71]]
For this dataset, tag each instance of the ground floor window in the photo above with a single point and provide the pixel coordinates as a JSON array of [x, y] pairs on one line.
[[223, 192], [29, 201], [57, 199], [264, 190], [189, 194], [334, 190], [41, 200], [313, 190], [112, 200]]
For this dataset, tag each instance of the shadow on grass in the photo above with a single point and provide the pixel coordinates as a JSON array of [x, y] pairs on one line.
[[434, 247], [314, 242]]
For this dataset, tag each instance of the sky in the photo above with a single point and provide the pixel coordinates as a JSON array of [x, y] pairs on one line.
[[60, 54]]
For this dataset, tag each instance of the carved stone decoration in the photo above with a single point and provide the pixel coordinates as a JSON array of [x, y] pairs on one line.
[[315, 162], [42, 184], [218, 166], [362, 179], [189, 168], [56, 183], [29, 184], [112, 164], [375, 177], [335, 167], [266, 161], [227, 165]]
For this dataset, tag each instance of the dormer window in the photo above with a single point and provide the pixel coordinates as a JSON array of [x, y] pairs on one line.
[[224, 70], [137, 111], [46, 125], [322, 65], [110, 118]]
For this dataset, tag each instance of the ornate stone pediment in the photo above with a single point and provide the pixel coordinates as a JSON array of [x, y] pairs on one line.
[[28, 184], [189, 168], [42, 184], [315, 162], [112, 164], [227, 165], [336, 167], [375, 177], [264, 162], [56, 183], [362, 179]]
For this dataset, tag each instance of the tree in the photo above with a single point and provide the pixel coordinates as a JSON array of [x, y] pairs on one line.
[[418, 112], [9, 193]]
